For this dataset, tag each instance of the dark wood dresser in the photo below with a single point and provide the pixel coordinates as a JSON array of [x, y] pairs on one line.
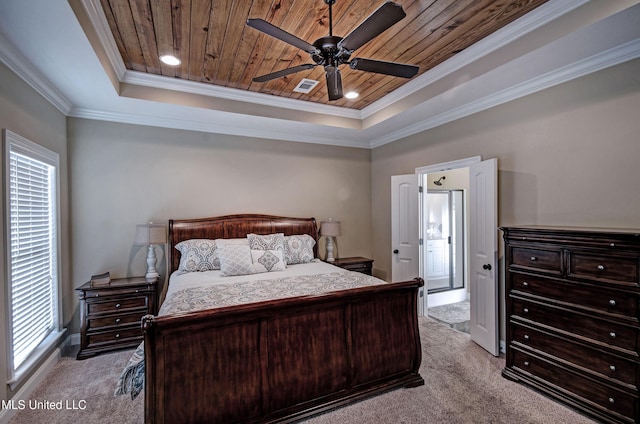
[[110, 315], [572, 300]]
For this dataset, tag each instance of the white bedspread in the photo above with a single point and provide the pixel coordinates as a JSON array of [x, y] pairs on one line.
[[184, 280], [194, 291]]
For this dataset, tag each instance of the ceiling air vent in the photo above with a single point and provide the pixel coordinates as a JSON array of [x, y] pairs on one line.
[[305, 86]]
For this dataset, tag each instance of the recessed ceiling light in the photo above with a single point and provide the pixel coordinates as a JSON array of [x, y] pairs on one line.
[[170, 60], [351, 95]]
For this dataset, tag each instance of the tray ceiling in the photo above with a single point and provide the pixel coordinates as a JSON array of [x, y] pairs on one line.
[[216, 47]]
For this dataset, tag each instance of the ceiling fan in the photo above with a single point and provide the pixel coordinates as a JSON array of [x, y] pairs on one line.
[[332, 51]]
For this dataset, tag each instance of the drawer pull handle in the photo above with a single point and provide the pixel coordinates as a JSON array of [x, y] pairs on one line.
[[533, 258], [600, 267], [613, 334], [526, 363], [612, 368], [612, 400], [525, 284], [118, 336], [117, 305], [526, 337], [117, 320], [526, 310], [612, 302]]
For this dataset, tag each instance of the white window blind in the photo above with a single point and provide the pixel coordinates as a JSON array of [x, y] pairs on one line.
[[32, 206]]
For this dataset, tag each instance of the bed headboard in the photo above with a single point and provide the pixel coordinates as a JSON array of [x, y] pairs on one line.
[[235, 226]]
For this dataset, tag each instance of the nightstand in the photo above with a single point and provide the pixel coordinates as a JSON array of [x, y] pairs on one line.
[[358, 264], [110, 315]]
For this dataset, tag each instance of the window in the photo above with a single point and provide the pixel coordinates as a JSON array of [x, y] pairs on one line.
[[31, 175]]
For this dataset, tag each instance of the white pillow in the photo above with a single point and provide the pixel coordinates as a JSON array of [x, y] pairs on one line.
[[198, 255], [235, 259], [268, 260], [266, 242], [220, 243], [298, 249]]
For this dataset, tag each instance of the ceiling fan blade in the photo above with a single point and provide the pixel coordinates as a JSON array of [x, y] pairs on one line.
[[282, 73], [387, 68], [280, 34], [334, 82], [386, 16]]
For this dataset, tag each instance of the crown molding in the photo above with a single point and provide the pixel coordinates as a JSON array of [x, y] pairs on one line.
[[209, 126], [98, 19], [210, 90], [611, 57], [19, 65], [516, 29]]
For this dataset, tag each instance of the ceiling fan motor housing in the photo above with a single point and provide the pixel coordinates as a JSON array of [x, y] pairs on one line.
[[329, 53]]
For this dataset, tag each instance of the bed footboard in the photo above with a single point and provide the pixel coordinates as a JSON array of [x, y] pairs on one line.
[[281, 360]]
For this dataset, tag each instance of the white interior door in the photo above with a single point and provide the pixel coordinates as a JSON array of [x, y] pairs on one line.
[[483, 229], [404, 227]]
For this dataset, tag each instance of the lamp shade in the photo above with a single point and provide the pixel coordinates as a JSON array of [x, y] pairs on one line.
[[330, 228], [150, 234]]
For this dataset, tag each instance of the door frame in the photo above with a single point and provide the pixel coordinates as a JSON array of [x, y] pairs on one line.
[[447, 166]]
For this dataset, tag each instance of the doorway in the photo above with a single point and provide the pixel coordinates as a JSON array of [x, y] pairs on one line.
[[444, 251], [480, 204], [444, 238]]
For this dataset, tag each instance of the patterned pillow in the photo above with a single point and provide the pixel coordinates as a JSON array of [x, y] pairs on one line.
[[198, 255], [268, 260], [267, 242], [298, 249], [220, 243], [235, 259]]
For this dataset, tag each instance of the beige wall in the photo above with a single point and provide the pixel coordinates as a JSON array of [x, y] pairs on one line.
[[569, 155], [123, 175], [25, 112]]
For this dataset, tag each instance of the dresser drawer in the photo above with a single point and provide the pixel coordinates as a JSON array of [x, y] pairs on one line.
[[580, 296], [117, 305], [364, 268], [114, 336], [540, 259], [591, 360], [115, 320], [599, 330], [95, 293], [603, 396], [606, 268]]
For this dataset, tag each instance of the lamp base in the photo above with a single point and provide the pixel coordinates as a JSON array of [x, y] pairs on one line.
[[330, 257], [151, 263]]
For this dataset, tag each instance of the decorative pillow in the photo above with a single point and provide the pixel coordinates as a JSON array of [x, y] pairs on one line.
[[198, 255], [268, 260], [235, 259], [298, 249], [220, 243], [266, 242]]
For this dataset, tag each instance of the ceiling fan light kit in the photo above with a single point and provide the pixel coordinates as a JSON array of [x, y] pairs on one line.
[[332, 51]]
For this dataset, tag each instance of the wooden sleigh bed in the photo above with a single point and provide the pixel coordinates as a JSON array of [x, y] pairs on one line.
[[280, 360]]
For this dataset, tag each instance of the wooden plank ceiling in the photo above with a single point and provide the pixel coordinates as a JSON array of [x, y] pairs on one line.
[[217, 47]]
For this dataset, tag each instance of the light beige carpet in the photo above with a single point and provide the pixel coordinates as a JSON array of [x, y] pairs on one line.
[[463, 385]]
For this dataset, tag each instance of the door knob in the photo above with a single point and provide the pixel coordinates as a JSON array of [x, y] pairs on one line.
[[396, 251], [487, 267]]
